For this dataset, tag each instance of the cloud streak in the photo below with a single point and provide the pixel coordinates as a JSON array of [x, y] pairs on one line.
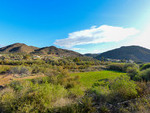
[[96, 35]]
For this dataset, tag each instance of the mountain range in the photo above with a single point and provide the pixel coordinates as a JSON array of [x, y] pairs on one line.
[[135, 53], [23, 48]]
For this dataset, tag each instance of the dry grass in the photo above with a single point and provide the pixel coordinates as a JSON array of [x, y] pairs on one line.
[[6, 79], [62, 102]]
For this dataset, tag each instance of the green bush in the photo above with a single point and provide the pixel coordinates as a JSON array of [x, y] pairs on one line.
[[16, 85], [4, 69], [102, 92], [132, 72], [116, 67], [25, 96], [131, 66], [123, 88], [145, 66], [41, 80], [116, 90], [76, 91], [61, 76], [122, 67], [145, 75], [38, 69], [7, 99]]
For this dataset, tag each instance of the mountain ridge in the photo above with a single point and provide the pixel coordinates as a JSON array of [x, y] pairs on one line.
[[56, 51], [133, 52], [23, 48], [17, 48]]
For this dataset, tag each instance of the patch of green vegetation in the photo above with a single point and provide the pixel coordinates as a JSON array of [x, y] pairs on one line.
[[145, 66], [88, 79], [4, 69], [121, 67]]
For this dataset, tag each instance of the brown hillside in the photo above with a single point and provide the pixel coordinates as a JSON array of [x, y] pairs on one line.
[[17, 48], [56, 51]]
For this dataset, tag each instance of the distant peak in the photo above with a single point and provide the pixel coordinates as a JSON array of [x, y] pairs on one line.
[[130, 46], [53, 47], [18, 44]]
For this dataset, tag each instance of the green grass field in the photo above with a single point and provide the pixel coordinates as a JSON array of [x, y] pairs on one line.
[[87, 79]]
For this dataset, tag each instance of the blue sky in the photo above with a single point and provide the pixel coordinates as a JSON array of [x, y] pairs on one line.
[[81, 25]]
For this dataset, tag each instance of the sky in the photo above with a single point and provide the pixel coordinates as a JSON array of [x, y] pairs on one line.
[[85, 26]]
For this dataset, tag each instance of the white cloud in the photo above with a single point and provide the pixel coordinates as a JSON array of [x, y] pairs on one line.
[[77, 49], [143, 39], [95, 35]]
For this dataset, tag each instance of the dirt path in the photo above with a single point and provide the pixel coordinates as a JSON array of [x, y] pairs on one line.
[[5, 79]]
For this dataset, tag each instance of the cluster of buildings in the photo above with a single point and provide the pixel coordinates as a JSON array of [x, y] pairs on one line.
[[119, 61]]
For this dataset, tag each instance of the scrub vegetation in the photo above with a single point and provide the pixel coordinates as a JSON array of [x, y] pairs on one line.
[[72, 85]]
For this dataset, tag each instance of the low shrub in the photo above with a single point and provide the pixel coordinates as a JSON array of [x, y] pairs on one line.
[[21, 70], [68, 81], [76, 92], [145, 66], [102, 93], [144, 88], [41, 80], [4, 69], [85, 105], [24, 96], [61, 76], [104, 109], [132, 72], [131, 66], [7, 98], [123, 89], [116, 90], [122, 67], [141, 105], [144, 75], [40, 69], [116, 67], [16, 85]]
